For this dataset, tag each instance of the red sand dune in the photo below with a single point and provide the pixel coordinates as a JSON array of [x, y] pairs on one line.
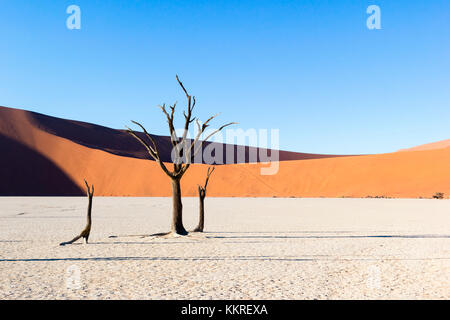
[[430, 146], [40, 156]]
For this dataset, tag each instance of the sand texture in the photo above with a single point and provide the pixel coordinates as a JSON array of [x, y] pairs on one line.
[[262, 248]]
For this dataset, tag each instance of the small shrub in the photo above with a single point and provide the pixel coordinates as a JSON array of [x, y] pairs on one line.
[[378, 197], [438, 195]]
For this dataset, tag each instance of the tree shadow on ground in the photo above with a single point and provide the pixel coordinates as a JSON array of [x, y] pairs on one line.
[[224, 258], [414, 236]]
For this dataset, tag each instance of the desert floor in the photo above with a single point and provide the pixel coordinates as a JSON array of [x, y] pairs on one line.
[[266, 248]]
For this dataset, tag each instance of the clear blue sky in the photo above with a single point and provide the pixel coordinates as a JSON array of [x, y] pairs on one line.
[[310, 68]]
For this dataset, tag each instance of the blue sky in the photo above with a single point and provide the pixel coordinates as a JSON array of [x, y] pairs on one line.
[[309, 68]]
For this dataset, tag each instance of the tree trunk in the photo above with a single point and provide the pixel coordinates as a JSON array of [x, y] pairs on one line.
[[87, 230], [201, 218], [177, 213]]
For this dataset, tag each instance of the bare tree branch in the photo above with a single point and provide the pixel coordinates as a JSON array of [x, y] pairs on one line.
[[173, 134], [208, 174], [145, 144], [155, 148], [196, 146], [190, 107], [152, 151], [209, 136]]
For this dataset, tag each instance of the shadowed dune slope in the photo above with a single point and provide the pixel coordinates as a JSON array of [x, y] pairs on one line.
[[68, 161], [25, 172]]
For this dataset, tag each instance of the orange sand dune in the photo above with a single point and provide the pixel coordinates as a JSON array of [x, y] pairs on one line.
[[38, 162], [430, 146]]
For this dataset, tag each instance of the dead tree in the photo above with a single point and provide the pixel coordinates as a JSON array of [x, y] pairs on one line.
[[202, 195], [87, 230], [182, 153]]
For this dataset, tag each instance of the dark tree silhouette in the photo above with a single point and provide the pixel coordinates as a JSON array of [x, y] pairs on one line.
[[201, 196], [87, 230], [182, 153], [438, 195]]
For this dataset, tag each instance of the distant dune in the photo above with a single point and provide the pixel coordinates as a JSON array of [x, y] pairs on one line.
[[43, 155], [430, 146]]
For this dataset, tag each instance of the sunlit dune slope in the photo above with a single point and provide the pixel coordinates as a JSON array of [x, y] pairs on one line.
[[430, 146]]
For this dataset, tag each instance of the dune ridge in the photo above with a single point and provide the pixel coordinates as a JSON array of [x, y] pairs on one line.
[[429, 146], [119, 142]]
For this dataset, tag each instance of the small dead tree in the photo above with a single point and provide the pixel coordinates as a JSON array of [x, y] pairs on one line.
[[182, 153], [202, 195], [87, 230]]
